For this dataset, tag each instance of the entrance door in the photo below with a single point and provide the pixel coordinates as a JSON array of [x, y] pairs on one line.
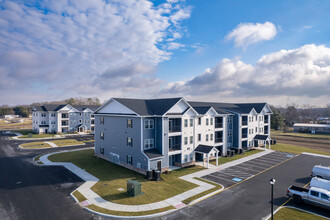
[[159, 165], [46, 131]]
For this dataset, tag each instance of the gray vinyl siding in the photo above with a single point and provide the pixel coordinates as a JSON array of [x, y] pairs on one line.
[[116, 133], [236, 131]]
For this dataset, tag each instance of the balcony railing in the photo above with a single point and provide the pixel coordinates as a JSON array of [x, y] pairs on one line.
[[244, 123], [174, 129], [244, 135], [266, 121], [175, 147], [218, 125], [218, 140]]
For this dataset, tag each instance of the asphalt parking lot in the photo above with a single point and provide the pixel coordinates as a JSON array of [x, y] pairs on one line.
[[233, 175]]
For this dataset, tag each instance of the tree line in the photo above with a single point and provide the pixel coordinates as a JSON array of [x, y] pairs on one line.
[[286, 117], [25, 110]]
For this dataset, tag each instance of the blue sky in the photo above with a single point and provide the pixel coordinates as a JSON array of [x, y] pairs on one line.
[[230, 51]]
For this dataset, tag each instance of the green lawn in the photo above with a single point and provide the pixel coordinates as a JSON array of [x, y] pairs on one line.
[[294, 214], [67, 142], [23, 132], [306, 135], [296, 149], [79, 196], [114, 177], [222, 160], [35, 145], [37, 136], [217, 187], [119, 213]]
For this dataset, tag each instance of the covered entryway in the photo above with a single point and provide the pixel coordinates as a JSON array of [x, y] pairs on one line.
[[203, 151], [81, 128], [264, 139]]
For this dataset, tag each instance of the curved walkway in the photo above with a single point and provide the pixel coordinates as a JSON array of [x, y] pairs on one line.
[[176, 201]]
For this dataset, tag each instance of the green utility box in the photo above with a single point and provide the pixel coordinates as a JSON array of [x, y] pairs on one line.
[[133, 188]]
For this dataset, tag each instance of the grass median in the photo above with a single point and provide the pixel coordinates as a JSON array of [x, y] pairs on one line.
[[35, 145], [296, 149], [222, 160], [287, 213], [67, 142], [113, 179]]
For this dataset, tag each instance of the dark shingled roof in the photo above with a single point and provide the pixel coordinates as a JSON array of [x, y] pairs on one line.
[[204, 148], [52, 107], [261, 137], [224, 108], [153, 153], [149, 106], [202, 110]]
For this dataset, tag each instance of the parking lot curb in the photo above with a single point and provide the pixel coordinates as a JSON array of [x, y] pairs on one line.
[[292, 207]]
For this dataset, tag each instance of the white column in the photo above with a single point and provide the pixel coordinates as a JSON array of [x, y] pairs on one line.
[[217, 158], [203, 160], [208, 160]]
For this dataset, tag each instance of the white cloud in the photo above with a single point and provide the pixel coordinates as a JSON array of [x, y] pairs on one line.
[[53, 45], [249, 33], [299, 74], [174, 46]]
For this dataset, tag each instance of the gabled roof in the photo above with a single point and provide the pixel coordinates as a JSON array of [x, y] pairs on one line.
[[261, 137], [153, 153], [225, 108], [53, 107], [148, 106], [205, 148]]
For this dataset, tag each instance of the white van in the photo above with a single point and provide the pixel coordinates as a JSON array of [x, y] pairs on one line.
[[321, 172], [320, 183]]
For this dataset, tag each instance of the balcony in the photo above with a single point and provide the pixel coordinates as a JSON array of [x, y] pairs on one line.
[[244, 135], [244, 123], [174, 147], [219, 122], [266, 119], [174, 125], [218, 140], [64, 115], [174, 129], [65, 123]]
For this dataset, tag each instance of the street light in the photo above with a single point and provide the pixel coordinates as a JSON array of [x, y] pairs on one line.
[[272, 182]]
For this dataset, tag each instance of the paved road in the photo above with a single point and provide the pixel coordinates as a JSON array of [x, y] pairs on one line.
[[32, 192], [251, 199]]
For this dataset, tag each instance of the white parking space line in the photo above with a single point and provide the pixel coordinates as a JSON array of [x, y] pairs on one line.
[[233, 175], [275, 159], [265, 161], [222, 178], [259, 169], [249, 169], [262, 165], [237, 172]]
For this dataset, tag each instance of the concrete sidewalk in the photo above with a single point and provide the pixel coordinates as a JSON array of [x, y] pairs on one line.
[[176, 201]]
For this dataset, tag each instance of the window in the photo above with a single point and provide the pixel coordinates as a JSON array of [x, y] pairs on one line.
[[211, 122], [186, 123], [229, 119], [191, 122], [80, 114], [185, 158], [249, 119], [43, 114], [199, 137], [129, 160], [185, 140], [191, 156], [191, 139], [102, 120], [207, 137], [148, 123], [314, 193], [199, 121], [102, 135], [325, 196], [252, 118], [53, 114], [148, 144], [256, 129], [229, 133], [85, 114], [207, 122], [129, 142], [80, 121], [129, 123], [211, 137], [102, 150], [85, 121]]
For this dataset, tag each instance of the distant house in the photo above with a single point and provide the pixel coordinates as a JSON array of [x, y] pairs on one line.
[[143, 134], [63, 118], [311, 128], [8, 117]]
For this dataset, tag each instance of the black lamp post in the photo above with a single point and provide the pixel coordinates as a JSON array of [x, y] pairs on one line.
[[272, 182]]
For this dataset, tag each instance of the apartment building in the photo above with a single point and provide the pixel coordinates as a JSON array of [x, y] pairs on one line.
[[144, 134], [63, 118]]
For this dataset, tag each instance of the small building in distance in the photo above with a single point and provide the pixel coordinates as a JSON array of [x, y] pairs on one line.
[[311, 128]]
